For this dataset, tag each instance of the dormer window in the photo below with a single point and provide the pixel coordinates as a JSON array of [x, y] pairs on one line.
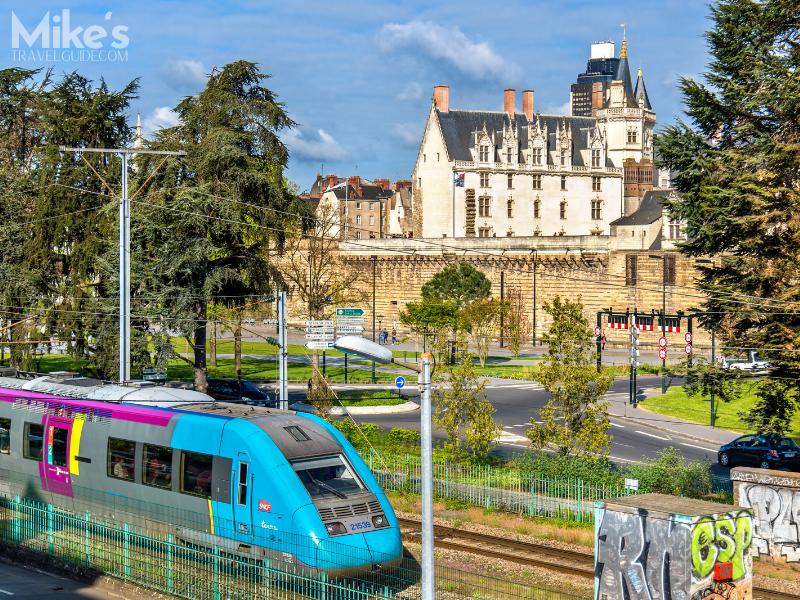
[[563, 158], [508, 155], [483, 154], [537, 156], [595, 157]]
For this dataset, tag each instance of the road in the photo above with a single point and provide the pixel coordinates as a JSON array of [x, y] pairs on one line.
[[518, 401], [24, 582]]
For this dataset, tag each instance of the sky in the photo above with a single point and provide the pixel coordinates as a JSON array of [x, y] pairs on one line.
[[357, 75]]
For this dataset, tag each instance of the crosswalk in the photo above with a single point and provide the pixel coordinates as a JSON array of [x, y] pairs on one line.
[[517, 385]]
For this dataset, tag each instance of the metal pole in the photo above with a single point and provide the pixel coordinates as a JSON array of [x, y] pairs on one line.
[[124, 277], [714, 364], [453, 181], [284, 341], [535, 264], [599, 345], [502, 298], [428, 583], [690, 320], [374, 267], [663, 320]]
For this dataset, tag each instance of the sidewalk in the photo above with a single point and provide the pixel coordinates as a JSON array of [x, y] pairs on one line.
[[619, 407]]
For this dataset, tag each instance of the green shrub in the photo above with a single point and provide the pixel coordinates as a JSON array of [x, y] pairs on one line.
[[399, 437], [669, 473], [590, 470]]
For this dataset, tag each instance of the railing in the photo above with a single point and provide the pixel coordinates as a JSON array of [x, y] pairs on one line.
[[164, 562], [501, 488], [468, 164]]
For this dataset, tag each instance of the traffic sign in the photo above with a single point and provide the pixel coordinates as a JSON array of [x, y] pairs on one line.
[[349, 329], [349, 312], [349, 319], [319, 345], [662, 353], [399, 382], [319, 329], [323, 323], [688, 337], [596, 332], [319, 336], [688, 349], [662, 342]]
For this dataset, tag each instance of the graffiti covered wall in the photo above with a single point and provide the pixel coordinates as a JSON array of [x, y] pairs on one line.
[[645, 553], [774, 497]]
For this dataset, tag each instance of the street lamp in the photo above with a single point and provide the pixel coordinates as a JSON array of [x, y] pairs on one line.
[[663, 260], [354, 344]]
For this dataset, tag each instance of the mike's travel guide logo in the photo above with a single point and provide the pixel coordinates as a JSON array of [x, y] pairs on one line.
[[57, 38]]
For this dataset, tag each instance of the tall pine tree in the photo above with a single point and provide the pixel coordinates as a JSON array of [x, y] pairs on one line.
[[206, 225], [737, 166]]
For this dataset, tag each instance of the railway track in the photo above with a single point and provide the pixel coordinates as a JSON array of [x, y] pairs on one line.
[[531, 554]]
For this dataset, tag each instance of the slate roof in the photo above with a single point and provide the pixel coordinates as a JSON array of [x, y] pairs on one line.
[[458, 127], [368, 192], [650, 210], [640, 93], [624, 75]]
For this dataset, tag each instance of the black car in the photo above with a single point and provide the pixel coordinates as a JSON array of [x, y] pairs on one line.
[[761, 450], [231, 390]]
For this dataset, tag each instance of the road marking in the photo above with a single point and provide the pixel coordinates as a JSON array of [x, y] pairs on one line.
[[6, 592], [521, 425], [698, 447], [653, 435], [620, 444], [627, 460], [618, 425]]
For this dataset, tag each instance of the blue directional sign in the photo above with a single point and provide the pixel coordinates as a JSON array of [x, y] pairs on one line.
[[400, 381]]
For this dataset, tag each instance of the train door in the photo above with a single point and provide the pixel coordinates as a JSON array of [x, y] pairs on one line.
[[55, 462], [243, 497]]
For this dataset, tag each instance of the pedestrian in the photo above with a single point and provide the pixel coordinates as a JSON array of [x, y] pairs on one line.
[[385, 337], [310, 386], [394, 336], [603, 342]]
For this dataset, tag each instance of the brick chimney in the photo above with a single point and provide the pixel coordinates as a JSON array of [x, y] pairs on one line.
[[332, 181], [509, 100], [382, 183], [527, 104], [401, 184], [441, 97], [354, 181]]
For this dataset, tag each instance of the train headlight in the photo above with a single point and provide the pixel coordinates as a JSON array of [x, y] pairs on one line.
[[379, 521], [335, 528]]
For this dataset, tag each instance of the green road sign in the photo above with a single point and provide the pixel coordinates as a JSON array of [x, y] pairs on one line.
[[349, 312]]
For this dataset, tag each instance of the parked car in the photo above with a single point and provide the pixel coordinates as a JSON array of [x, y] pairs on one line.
[[761, 450], [231, 390], [753, 363]]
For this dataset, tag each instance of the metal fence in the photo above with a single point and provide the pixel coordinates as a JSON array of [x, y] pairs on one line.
[[500, 488], [167, 563]]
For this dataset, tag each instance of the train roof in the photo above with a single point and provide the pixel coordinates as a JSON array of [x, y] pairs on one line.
[[83, 388]]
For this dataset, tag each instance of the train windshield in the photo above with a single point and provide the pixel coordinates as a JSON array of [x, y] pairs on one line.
[[327, 476]]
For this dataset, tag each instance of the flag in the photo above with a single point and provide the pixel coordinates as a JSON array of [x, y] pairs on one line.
[[458, 179]]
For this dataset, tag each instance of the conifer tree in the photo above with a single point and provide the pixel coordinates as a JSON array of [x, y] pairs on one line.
[[736, 165]]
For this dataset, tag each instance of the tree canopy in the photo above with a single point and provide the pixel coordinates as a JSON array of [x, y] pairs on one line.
[[736, 166], [459, 284]]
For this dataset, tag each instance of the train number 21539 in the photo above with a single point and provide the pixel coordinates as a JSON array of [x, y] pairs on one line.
[[360, 525]]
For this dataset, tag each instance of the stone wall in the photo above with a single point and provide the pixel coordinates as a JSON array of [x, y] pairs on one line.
[[774, 497], [594, 273]]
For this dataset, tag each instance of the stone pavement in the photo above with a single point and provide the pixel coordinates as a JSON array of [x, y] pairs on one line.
[[619, 407]]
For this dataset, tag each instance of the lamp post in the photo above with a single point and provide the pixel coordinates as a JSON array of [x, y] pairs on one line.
[[354, 344], [663, 260], [535, 264]]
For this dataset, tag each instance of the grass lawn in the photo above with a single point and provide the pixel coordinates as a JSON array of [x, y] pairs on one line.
[[370, 398], [676, 403]]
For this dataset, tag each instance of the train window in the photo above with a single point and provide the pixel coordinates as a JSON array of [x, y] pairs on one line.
[[157, 466], [32, 441], [5, 436], [196, 474], [297, 433], [121, 459], [242, 497], [327, 476], [60, 436]]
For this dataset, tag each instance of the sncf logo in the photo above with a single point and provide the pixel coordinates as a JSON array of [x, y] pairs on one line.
[[264, 506]]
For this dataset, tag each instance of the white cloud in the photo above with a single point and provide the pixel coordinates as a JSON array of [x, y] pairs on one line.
[[161, 117], [320, 147], [184, 74], [411, 93], [409, 134], [558, 109], [476, 60]]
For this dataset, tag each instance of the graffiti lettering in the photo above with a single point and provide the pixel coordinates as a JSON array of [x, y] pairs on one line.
[[642, 557], [777, 519]]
